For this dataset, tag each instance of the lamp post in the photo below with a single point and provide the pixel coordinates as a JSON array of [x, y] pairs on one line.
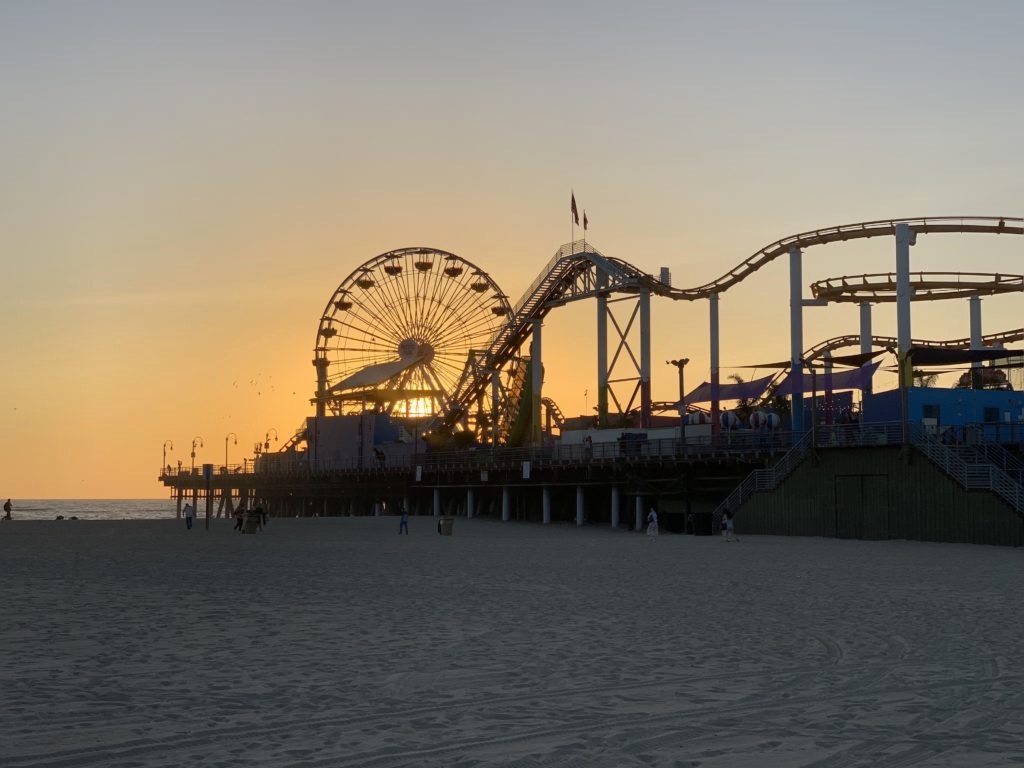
[[681, 365], [266, 442], [167, 443], [226, 438], [195, 441]]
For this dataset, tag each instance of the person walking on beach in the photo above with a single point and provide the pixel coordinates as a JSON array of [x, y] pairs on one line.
[[403, 526], [7, 510], [652, 523], [727, 526], [239, 517], [188, 516]]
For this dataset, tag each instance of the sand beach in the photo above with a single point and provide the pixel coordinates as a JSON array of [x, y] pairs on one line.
[[334, 643]]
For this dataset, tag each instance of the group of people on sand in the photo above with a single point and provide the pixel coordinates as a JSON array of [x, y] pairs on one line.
[[727, 525], [240, 514], [257, 512]]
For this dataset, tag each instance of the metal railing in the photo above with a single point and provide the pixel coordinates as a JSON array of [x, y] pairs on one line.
[[971, 469]]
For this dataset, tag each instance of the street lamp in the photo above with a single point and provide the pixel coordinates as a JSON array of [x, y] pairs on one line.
[[167, 443], [226, 438], [681, 365], [195, 441], [266, 443]]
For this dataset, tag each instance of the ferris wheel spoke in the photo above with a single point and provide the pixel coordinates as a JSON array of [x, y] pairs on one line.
[[383, 319], [396, 290]]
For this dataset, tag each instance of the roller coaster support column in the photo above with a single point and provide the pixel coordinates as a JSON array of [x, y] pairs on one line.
[[904, 239], [975, 304], [829, 416], [602, 351], [865, 336], [645, 359], [638, 520], [713, 326], [616, 505], [580, 508], [537, 381], [506, 504], [796, 337], [469, 503], [546, 504], [437, 502]]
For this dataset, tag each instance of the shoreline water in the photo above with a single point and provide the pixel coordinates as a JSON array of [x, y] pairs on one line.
[[92, 509]]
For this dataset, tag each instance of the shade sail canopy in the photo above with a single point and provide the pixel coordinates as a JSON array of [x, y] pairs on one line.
[[858, 378], [743, 391], [941, 356]]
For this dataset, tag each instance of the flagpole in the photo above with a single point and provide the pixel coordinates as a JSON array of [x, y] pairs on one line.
[[572, 222]]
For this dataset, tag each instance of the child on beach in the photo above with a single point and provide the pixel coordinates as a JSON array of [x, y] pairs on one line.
[[403, 526], [727, 526]]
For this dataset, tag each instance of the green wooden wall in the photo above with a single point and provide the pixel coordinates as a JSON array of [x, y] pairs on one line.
[[879, 493]]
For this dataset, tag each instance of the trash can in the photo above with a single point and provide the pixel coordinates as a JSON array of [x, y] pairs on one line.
[[251, 522], [703, 524], [445, 526]]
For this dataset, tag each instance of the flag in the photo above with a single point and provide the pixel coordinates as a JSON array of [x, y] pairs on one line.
[[585, 222], [572, 207]]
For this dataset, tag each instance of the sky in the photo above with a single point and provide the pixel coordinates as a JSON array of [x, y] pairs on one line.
[[185, 185]]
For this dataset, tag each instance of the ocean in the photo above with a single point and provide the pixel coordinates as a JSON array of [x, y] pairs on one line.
[[93, 509]]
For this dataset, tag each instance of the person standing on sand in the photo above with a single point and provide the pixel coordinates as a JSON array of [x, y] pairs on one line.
[[727, 526], [188, 516], [652, 523], [239, 517], [7, 509], [403, 526]]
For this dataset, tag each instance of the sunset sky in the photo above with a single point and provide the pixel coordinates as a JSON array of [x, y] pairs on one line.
[[185, 184]]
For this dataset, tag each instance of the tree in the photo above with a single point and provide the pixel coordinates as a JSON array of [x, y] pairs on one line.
[[923, 378]]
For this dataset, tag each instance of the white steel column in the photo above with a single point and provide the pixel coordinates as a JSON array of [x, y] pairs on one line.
[[638, 522], [546, 504], [506, 504], [904, 239], [602, 350], [437, 502], [645, 359], [469, 503], [580, 509], [975, 304], [616, 501], [713, 328], [796, 337], [865, 335], [537, 382], [829, 416]]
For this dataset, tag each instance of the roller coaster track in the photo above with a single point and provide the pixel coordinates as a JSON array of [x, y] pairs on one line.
[[839, 342], [577, 272]]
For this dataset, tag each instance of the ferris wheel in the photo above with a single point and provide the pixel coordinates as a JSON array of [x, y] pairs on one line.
[[397, 333]]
